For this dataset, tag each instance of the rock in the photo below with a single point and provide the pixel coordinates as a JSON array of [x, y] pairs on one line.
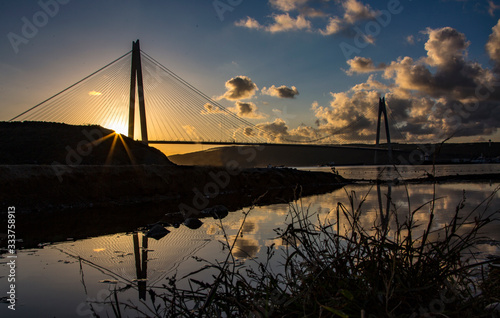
[[157, 232], [193, 223], [217, 212]]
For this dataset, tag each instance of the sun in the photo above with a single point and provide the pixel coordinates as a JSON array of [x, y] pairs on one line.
[[118, 128]]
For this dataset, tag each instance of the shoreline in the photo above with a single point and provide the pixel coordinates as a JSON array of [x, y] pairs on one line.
[[34, 188], [38, 187], [491, 177]]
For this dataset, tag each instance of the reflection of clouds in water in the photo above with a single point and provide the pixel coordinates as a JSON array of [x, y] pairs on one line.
[[257, 218], [211, 229], [278, 242], [245, 247], [278, 209], [489, 249], [249, 227], [448, 196], [258, 231]]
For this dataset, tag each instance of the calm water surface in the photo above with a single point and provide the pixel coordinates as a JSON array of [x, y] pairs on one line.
[[51, 283], [408, 171]]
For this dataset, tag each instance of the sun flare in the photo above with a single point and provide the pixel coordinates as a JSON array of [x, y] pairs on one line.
[[118, 128]]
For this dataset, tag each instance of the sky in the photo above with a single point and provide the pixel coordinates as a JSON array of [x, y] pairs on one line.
[[295, 68]]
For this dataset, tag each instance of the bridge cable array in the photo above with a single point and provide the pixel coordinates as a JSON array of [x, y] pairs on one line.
[[176, 111]]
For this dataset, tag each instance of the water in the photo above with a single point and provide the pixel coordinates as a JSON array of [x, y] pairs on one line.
[[52, 282], [408, 171]]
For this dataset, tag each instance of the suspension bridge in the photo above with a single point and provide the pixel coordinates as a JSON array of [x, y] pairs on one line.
[[169, 109]]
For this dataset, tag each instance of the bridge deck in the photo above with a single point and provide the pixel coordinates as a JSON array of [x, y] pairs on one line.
[[258, 144]]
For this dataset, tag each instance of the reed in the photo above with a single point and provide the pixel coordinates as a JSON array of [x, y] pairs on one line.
[[337, 268]]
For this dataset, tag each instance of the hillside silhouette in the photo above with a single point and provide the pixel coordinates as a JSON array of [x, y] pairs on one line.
[[42, 143]]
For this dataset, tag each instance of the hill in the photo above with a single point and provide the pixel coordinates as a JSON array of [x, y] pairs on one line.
[[297, 156], [56, 143]]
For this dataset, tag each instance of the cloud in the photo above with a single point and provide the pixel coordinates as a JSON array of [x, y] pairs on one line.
[[279, 131], [281, 92], [371, 84], [249, 23], [352, 117], [452, 75], [283, 113], [493, 44], [305, 133], [429, 98], [247, 110], [354, 12], [274, 131], [492, 7], [350, 108], [191, 131], [284, 22], [335, 25], [211, 109], [287, 5], [301, 6], [445, 45], [249, 131], [363, 65], [281, 22], [239, 87], [312, 12], [410, 39]]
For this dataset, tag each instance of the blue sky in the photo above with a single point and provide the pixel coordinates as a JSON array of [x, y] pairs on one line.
[[430, 56]]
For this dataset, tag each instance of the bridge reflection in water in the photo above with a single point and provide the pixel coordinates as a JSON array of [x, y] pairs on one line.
[[141, 263]]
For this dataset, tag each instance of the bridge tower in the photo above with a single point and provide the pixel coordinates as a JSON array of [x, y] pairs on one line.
[[383, 110], [136, 77]]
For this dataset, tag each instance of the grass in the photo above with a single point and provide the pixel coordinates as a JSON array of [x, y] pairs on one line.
[[337, 268]]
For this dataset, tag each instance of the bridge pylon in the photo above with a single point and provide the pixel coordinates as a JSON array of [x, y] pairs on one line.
[[382, 109], [136, 78]]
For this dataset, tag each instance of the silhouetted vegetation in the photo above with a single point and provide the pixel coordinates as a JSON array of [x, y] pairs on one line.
[[335, 267]]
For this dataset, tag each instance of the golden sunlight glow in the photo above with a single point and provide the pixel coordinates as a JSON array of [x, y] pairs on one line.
[[127, 149], [117, 137], [99, 250], [94, 93], [118, 128], [112, 149], [173, 149]]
